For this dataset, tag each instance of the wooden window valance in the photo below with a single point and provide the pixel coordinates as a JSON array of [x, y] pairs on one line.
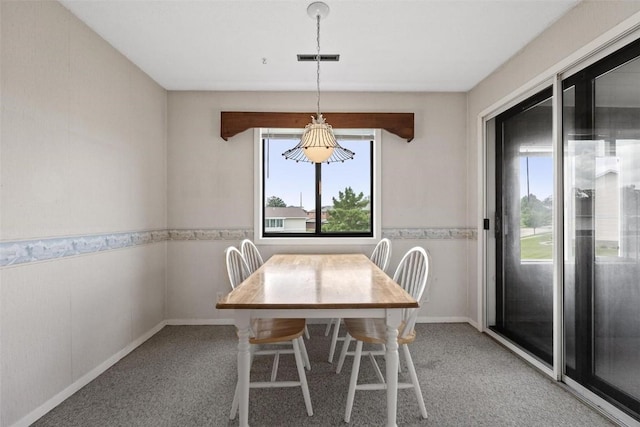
[[234, 122]]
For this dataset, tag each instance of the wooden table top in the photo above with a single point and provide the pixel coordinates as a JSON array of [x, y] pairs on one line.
[[317, 281]]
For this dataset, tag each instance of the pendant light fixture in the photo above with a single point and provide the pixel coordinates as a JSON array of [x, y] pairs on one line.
[[318, 143]]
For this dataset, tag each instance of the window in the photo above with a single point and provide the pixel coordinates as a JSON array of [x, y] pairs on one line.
[[274, 223], [315, 202]]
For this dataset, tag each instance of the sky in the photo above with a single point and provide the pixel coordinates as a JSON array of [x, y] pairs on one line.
[[290, 180], [540, 176]]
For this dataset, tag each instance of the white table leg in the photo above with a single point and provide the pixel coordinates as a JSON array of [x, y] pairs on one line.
[[244, 331], [393, 320]]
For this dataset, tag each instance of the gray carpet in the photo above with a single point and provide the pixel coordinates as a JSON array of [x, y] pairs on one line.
[[185, 376]]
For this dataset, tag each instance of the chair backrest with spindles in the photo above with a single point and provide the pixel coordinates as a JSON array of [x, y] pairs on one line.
[[237, 267], [382, 254], [412, 274], [251, 255]]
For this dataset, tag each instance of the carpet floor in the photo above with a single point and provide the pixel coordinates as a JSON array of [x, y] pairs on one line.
[[186, 375]]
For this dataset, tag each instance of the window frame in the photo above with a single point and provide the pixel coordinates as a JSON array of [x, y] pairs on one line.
[[327, 239]]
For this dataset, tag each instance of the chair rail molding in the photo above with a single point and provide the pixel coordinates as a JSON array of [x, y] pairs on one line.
[[21, 252]]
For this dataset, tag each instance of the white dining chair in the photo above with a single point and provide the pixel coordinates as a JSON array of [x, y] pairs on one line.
[[254, 260], [380, 256], [238, 269], [412, 274], [270, 331]]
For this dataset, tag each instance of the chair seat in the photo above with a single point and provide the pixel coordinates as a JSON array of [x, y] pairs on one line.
[[267, 331], [374, 331]]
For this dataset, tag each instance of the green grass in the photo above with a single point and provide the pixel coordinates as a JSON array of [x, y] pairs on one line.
[[538, 246]]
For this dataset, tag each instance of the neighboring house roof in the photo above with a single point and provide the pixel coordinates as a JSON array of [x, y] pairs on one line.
[[289, 212]]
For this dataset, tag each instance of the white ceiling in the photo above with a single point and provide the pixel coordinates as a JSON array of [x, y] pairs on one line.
[[384, 45]]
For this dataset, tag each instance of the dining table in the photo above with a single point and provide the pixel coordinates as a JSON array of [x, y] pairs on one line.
[[317, 286]]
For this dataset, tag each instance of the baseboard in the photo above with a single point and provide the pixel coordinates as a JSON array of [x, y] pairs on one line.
[[229, 321], [450, 319], [193, 322], [215, 322], [474, 324], [36, 414]]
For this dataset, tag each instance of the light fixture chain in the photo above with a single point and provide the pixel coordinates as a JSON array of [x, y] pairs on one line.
[[318, 63], [318, 143]]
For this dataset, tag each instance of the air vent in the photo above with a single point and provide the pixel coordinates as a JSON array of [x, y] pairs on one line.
[[311, 57]]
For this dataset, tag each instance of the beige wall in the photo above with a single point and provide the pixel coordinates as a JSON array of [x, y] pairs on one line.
[[91, 145], [583, 24], [83, 153], [211, 187]]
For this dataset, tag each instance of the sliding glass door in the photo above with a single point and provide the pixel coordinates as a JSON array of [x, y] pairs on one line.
[[524, 207], [601, 119], [599, 278]]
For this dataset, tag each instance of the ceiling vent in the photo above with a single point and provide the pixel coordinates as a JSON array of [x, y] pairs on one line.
[[311, 57]]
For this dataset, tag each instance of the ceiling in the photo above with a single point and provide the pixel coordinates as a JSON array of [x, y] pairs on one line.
[[384, 45]]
